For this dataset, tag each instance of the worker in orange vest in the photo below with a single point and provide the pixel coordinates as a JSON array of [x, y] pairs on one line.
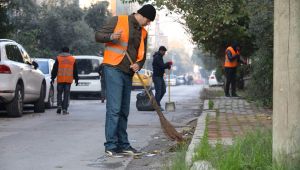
[[232, 60], [65, 69], [120, 34]]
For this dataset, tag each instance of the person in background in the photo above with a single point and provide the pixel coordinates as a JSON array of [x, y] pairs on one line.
[[232, 60], [65, 70], [158, 74], [120, 34]]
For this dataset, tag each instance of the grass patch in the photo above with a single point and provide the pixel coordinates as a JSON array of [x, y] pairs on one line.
[[210, 104], [204, 150], [178, 162], [252, 151]]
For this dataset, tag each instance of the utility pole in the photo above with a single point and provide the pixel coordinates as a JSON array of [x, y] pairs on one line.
[[286, 90]]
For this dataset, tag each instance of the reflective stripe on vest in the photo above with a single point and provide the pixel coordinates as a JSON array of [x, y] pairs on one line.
[[115, 52], [65, 69], [228, 63]]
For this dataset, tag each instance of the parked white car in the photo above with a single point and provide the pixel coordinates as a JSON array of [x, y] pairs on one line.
[[88, 73], [46, 66], [212, 79], [21, 81]]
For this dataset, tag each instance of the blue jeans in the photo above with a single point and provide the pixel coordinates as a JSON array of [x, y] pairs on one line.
[[63, 89], [118, 90], [103, 88], [160, 88]]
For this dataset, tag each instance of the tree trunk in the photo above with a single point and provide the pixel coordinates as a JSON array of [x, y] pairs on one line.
[[286, 91]]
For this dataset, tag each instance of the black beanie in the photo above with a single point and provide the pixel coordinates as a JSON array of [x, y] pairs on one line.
[[148, 11]]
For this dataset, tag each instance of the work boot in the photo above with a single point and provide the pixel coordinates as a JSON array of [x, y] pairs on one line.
[[227, 95], [58, 111]]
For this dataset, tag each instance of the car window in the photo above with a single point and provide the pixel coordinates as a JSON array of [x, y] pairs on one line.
[[87, 66], [13, 53], [25, 55], [43, 66]]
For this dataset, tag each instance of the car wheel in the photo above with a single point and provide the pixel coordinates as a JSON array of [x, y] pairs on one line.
[[50, 102], [39, 106], [15, 107]]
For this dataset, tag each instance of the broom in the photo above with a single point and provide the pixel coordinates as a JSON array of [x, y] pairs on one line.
[[167, 127]]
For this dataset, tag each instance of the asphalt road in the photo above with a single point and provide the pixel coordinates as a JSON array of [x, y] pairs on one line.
[[75, 142]]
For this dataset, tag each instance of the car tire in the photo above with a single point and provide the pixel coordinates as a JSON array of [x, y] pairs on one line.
[[15, 107], [50, 102], [39, 106]]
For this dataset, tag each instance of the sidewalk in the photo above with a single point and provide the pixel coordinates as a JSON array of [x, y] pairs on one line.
[[230, 117]]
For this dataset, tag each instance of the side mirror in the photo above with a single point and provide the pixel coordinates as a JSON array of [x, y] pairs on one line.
[[35, 64]]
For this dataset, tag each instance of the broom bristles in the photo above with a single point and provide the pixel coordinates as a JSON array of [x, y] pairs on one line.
[[167, 127]]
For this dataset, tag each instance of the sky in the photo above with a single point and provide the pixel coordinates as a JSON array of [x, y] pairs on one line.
[[174, 30], [85, 3]]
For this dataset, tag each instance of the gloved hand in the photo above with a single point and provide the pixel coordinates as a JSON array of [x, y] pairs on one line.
[[76, 82], [52, 81], [170, 63]]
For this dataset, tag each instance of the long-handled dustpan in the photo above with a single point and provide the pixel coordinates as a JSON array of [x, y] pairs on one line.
[[170, 106], [166, 125]]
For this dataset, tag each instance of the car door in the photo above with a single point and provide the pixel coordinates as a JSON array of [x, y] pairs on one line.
[[33, 76], [16, 60]]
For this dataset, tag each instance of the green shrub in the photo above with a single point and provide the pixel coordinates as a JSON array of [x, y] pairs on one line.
[[252, 151], [210, 104]]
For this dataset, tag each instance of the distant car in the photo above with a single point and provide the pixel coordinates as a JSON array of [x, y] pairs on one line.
[[212, 79], [180, 80], [172, 80], [89, 78], [146, 76], [21, 81], [46, 66]]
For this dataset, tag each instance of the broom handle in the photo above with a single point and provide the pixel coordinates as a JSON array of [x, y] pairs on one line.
[[139, 76]]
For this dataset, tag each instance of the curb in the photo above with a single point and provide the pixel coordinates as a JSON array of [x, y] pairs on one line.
[[198, 135]]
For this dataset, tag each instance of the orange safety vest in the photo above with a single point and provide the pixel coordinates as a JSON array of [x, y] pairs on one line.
[[115, 52], [234, 62], [65, 69]]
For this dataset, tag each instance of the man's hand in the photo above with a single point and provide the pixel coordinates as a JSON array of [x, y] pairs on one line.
[[52, 82], [170, 63], [76, 82], [116, 35], [135, 67]]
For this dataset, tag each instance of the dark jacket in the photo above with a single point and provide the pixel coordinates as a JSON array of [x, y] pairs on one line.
[[135, 32], [158, 65], [55, 68]]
